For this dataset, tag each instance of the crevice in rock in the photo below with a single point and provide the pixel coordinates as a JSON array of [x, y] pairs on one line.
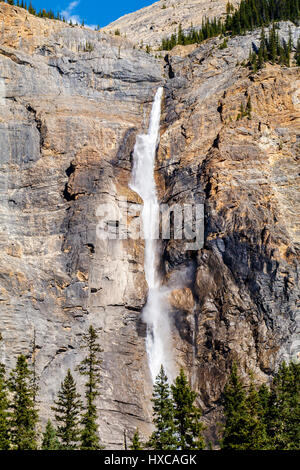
[[67, 195], [91, 247], [66, 192], [38, 123], [70, 170], [14, 58], [168, 66], [133, 309]]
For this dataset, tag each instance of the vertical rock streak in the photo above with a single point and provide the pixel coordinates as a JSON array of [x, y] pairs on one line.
[[155, 312]]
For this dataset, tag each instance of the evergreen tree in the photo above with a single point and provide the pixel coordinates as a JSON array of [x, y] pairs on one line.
[[163, 438], [188, 427], [4, 415], [236, 413], [24, 415], [255, 434], [67, 413], [263, 419], [136, 442], [297, 55], [262, 52], [283, 415], [249, 108], [248, 15], [273, 45], [180, 36], [90, 367], [264, 405], [50, 439]]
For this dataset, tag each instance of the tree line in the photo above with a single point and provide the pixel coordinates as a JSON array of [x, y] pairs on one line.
[[273, 50], [250, 14], [42, 13], [254, 418], [76, 421]]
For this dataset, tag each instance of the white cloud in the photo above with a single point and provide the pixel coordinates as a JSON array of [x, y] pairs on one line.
[[69, 16], [67, 13]]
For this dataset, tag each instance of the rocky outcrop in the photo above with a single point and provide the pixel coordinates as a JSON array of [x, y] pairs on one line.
[[72, 102], [161, 19]]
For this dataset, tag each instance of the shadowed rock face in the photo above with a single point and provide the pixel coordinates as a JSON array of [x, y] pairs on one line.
[[245, 280], [68, 121]]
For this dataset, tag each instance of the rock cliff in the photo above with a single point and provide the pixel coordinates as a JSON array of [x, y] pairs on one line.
[[72, 102], [244, 282]]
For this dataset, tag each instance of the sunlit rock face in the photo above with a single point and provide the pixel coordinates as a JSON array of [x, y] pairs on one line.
[[160, 20], [67, 128], [72, 103]]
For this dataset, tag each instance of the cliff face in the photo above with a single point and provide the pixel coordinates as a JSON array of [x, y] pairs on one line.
[[68, 124], [72, 103], [245, 281]]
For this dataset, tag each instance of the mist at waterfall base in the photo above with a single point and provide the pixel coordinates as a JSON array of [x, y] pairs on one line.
[[155, 313]]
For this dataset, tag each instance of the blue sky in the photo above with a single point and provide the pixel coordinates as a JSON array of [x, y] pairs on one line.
[[92, 11]]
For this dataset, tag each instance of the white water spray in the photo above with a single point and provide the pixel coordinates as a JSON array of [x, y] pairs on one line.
[[155, 312]]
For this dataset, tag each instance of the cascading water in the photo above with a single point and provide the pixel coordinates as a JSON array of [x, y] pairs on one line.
[[155, 312]]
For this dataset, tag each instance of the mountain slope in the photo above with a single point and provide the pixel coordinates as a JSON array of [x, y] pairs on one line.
[[150, 24]]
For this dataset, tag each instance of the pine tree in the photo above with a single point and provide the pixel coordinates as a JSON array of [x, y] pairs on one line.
[[90, 367], [136, 442], [263, 419], [163, 438], [67, 412], [249, 108], [249, 14], [255, 434], [180, 36], [4, 415], [290, 42], [188, 427], [50, 439], [264, 411], [24, 415], [273, 45], [284, 408], [235, 412], [297, 55], [245, 427], [262, 52]]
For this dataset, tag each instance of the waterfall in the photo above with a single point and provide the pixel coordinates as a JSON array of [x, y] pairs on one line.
[[155, 312]]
